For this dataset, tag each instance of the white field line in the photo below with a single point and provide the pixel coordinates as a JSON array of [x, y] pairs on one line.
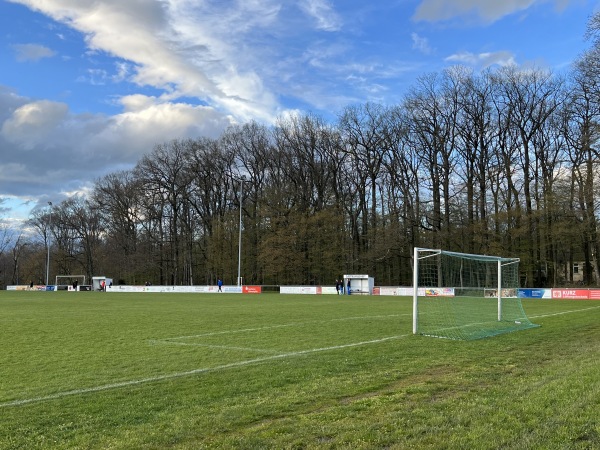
[[188, 373], [226, 347], [176, 340], [564, 312], [271, 327]]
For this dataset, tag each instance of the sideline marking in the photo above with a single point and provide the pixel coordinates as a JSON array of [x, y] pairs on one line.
[[171, 376], [226, 347], [564, 312], [270, 327]]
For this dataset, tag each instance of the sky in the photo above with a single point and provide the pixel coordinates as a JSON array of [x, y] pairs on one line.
[[88, 87]]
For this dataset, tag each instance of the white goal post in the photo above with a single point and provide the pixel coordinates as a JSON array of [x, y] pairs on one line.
[[465, 296], [70, 278]]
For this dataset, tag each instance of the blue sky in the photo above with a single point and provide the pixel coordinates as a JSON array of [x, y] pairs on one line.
[[89, 86]]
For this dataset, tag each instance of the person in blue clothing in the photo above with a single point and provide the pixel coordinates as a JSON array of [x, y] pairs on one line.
[[348, 287], [220, 284]]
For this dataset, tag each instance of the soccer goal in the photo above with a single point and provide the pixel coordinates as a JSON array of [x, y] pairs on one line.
[[463, 296], [69, 279]]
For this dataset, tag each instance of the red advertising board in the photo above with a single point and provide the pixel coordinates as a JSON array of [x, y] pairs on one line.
[[571, 294], [251, 289]]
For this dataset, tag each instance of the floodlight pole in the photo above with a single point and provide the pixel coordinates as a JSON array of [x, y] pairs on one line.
[[48, 245]]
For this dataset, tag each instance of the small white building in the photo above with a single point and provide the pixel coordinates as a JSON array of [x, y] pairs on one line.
[[97, 283], [359, 284]]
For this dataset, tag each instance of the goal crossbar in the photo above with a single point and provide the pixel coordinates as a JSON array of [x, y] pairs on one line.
[[80, 279]]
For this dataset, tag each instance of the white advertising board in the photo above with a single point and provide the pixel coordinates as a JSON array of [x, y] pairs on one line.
[[328, 290], [176, 289], [298, 290], [403, 291]]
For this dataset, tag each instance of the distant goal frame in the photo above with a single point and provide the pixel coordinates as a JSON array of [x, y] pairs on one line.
[[70, 277]]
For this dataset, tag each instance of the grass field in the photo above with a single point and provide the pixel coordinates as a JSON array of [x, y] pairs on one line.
[[190, 371]]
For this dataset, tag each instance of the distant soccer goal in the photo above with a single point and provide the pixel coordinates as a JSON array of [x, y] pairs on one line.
[[69, 280], [463, 296]]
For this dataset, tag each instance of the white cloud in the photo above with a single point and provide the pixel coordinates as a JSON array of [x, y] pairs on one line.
[[482, 60], [486, 11], [420, 43], [183, 47], [148, 121], [32, 52], [31, 124], [322, 11], [46, 148]]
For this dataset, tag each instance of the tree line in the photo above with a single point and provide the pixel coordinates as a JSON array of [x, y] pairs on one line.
[[500, 162]]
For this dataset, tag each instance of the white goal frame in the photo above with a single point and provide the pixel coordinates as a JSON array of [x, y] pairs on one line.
[[81, 277], [434, 252]]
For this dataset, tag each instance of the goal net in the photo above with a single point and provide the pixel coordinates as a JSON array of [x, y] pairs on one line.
[[463, 296]]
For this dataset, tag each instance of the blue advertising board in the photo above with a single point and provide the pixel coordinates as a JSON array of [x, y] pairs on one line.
[[535, 293]]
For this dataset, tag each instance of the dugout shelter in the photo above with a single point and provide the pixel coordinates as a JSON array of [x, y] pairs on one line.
[[97, 282], [359, 284]]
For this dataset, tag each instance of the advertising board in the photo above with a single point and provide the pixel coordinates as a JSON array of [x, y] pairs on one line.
[[571, 294]]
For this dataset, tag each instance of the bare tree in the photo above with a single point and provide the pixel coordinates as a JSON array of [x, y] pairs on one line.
[[581, 130], [363, 130], [165, 183], [82, 219], [433, 134], [211, 225], [117, 198], [527, 100]]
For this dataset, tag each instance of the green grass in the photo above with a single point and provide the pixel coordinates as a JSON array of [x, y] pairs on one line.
[[188, 371]]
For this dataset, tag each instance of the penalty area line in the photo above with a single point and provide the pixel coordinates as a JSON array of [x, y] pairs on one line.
[[225, 347], [284, 325], [564, 312], [188, 373]]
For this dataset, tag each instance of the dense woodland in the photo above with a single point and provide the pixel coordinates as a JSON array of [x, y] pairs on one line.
[[502, 162]]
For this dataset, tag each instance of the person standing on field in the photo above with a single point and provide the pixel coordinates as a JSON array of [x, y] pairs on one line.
[[220, 285]]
